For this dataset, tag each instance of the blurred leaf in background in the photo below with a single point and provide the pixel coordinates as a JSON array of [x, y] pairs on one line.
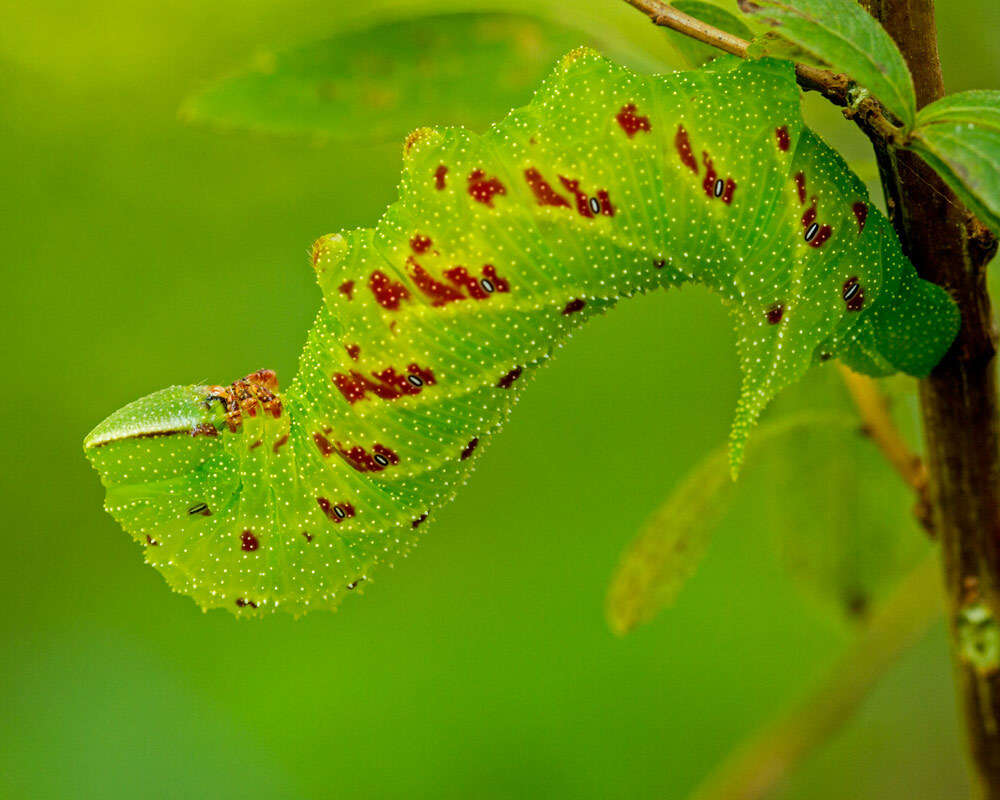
[[379, 83], [838, 515]]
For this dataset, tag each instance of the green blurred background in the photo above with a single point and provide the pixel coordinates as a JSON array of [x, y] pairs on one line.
[[142, 252]]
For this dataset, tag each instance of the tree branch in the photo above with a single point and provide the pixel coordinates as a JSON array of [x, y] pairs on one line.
[[868, 114], [959, 401]]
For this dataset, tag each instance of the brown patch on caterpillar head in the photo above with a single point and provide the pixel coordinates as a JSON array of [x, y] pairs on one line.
[[573, 306], [266, 378], [255, 445], [242, 602], [242, 398], [248, 542], [151, 541], [347, 289], [308, 536], [280, 442], [353, 350], [775, 313], [204, 429], [417, 522]]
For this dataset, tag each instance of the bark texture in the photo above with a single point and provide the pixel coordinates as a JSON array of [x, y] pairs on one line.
[[958, 401]]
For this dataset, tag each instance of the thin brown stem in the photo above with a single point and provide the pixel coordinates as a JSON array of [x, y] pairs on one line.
[[873, 407], [878, 425], [868, 113]]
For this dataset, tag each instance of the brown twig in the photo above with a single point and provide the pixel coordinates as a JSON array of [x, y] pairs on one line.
[[868, 113], [878, 426]]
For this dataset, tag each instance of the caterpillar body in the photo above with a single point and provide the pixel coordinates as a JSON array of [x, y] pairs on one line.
[[608, 184]]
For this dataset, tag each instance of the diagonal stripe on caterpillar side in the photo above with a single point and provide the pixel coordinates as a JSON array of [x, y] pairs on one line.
[[608, 184]]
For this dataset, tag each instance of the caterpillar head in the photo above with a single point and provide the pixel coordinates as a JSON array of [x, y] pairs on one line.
[[151, 448], [174, 456]]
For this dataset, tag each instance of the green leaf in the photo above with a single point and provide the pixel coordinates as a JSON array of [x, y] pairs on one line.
[[666, 551], [380, 83], [695, 52], [847, 39], [959, 136]]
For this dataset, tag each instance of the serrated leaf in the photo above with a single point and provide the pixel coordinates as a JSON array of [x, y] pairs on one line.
[[959, 136], [847, 39], [695, 52], [671, 543], [380, 83]]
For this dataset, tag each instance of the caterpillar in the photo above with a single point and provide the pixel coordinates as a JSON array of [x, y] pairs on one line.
[[608, 184]]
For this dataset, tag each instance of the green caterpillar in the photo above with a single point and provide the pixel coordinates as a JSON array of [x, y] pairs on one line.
[[609, 183]]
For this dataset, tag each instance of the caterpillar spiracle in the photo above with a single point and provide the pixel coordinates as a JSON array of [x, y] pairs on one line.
[[607, 184]]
